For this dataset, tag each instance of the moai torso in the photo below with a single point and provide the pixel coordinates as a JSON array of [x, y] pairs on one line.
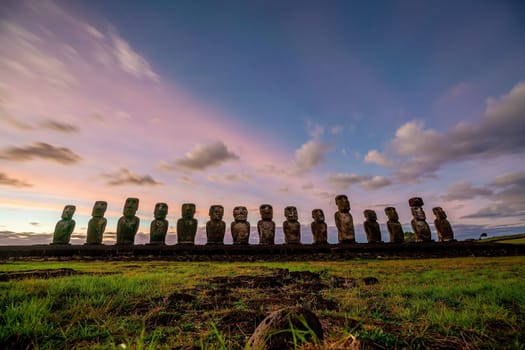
[[159, 226], [419, 225], [64, 228], [344, 220], [187, 225], [240, 228], [395, 229], [266, 226], [291, 227], [319, 227], [372, 229], [128, 225], [215, 228], [443, 227], [97, 224]]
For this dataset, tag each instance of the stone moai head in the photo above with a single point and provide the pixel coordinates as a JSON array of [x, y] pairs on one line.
[[216, 212], [240, 213], [342, 203], [439, 213], [318, 215], [131, 206], [67, 213], [99, 209], [188, 210], [370, 215], [266, 212], [291, 213], [161, 210], [391, 213], [416, 204]]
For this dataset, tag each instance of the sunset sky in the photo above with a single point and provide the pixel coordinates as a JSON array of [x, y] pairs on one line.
[[251, 102]]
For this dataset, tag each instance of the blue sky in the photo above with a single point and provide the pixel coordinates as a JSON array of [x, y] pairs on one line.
[[241, 103]]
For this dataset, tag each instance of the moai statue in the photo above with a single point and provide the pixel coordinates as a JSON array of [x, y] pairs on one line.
[[291, 227], [419, 224], [64, 228], [159, 227], [344, 220], [372, 229], [97, 224], [128, 225], [215, 228], [395, 229], [187, 225], [266, 226], [443, 228], [319, 227], [240, 228]]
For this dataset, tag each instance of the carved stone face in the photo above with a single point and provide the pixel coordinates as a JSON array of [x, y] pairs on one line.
[[131, 207], [318, 215], [342, 203], [67, 213], [418, 213], [266, 211], [291, 213], [391, 213], [216, 212], [188, 210], [99, 208], [161, 210], [439, 213], [370, 215], [240, 213]]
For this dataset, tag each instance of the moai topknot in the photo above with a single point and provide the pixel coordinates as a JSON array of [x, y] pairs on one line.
[[344, 220], [64, 228], [419, 225], [187, 225], [291, 227], [128, 225], [159, 226], [443, 228], [395, 229], [240, 228], [372, 229], [215, 227], [319, 227], [97, 224], [266, 226]]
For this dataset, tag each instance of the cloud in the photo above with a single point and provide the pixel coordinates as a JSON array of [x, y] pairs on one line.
[[464, 190], [126, 177], [307, 186], [315, 131], [368, 182], [41, 150], [310, 155], [59, 126], [229, 178], [336, 130], [202, 157], [376, 182], [9, 181], [34, 223], [374, 157]]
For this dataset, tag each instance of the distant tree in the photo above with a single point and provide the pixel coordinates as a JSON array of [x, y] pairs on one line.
[[483, 235]]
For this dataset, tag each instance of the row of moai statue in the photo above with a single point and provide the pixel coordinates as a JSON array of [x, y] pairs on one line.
[[128, 224]]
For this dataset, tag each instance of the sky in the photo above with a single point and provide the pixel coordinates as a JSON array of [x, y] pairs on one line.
[[251, 102]]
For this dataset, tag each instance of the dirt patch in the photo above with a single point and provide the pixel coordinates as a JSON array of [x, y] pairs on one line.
[[46, 273]]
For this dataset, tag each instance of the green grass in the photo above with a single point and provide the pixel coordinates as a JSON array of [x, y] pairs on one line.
[[509, 239], [418, 304]]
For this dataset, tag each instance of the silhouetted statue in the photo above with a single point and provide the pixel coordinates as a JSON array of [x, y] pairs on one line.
[[419, 225], [319, 227], [344, 220], [266, 226], [372, 229], [291, 227], [443, 228], [64, 228], [395, 229], [215, 228], [128, 224], [240, 228], [159, 227], [97, 224], [187, 225]]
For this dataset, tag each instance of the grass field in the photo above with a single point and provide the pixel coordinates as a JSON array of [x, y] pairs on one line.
[[460, 303]]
